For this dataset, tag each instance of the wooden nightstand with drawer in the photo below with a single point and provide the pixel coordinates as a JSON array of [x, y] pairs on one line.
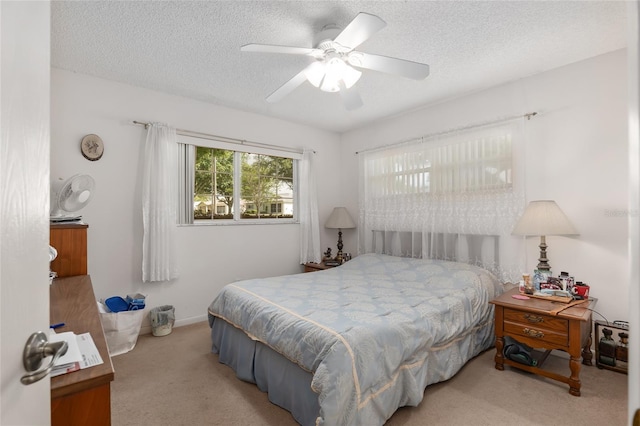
[[315, 267], [546, 325]]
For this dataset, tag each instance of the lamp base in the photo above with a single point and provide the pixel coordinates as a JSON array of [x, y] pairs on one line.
[[543, 264], [339, 254]]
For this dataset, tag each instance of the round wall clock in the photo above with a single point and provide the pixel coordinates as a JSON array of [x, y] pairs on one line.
[[92, 147]]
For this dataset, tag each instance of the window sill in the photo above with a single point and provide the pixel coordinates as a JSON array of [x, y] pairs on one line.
[[241, 222]]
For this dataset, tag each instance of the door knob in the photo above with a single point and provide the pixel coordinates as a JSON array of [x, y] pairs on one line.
[[37, 349]]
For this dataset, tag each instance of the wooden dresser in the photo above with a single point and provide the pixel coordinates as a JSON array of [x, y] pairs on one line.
[[70, 240], [82, 397]]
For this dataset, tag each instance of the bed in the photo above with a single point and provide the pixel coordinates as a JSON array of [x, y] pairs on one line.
[[350, 345]]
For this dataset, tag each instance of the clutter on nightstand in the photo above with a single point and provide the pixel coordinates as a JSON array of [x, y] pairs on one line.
[[562, 288]]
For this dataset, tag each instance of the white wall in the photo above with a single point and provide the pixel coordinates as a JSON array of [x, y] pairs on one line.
[[209, 256], [576, 151], [576, 154]]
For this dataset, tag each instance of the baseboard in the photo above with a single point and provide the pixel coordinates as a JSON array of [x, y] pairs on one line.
[[192, 320], [146, 328]]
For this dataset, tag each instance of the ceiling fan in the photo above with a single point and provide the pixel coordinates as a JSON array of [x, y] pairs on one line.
[[336, 64]]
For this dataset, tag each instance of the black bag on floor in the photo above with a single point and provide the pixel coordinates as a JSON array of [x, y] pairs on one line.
[[518, 352]]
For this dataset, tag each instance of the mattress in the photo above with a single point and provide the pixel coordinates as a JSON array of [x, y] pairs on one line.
[[371, 334]]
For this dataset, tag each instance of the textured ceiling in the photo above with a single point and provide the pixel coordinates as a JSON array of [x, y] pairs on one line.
[[192, 49]]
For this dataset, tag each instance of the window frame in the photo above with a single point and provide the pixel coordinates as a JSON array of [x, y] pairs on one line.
[[238, 149]]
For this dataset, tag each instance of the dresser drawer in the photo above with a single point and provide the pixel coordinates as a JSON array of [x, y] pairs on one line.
[[545, 328]]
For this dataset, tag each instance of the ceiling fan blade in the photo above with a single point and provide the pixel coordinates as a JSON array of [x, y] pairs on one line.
[[409, 69], [350, 97], [272, 48], [363, 26], [288, 87]]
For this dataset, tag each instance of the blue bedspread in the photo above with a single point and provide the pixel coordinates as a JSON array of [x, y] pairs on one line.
[[374, 332]]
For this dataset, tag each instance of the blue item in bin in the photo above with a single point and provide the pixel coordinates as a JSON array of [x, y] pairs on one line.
[[135, 301], [117, 304]]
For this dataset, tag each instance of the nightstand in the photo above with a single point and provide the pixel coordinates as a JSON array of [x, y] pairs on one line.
[[315, 267], [544, 324]]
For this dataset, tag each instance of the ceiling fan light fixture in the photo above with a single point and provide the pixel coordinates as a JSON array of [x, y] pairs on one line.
[[315, 73], [350, 76], [337, 70], [338, 65], [329, 85]]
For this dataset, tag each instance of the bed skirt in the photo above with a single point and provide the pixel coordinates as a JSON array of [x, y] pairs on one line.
[[287, 385]]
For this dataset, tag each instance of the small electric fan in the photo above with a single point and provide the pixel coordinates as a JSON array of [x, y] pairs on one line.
[[70, 195]]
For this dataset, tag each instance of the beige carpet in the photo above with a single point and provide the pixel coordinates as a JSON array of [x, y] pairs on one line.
[[176, 380]]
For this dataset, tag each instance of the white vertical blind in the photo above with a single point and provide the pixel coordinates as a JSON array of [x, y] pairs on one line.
[[426, 197], [186, 182]]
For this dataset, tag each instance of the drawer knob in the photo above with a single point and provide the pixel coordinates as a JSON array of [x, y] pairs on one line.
[[533, 318], [533, 333]]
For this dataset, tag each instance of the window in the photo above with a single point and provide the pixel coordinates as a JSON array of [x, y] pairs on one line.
[[213, 192], [477, 164], [230, 185], [266, 186], [399, 173], [425, 197]]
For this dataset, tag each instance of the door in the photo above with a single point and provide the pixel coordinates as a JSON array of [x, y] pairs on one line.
[[633, 52], [24, 203]]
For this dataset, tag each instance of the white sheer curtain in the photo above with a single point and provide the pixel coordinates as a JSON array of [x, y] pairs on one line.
[[308, 211], [452, 197], [159, 199]]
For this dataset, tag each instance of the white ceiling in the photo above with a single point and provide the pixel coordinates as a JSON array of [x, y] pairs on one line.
[[192, 49]]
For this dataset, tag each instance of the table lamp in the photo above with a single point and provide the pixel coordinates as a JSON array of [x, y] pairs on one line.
[[339, 219], [542, 218]]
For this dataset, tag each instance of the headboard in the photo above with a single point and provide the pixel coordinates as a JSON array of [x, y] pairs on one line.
[[471, 248]]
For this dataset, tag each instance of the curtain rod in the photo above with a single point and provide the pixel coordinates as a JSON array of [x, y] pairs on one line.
[[458, 129], [225, 139]]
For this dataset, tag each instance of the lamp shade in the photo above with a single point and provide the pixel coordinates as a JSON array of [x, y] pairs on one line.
[[340, 219], [544, 217], [327, 74]]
